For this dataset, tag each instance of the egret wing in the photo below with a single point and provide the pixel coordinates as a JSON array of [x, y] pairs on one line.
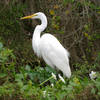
[[55, 54]]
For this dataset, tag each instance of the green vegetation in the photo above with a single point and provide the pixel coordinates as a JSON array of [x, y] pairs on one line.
[[23, 77], [25, 83]]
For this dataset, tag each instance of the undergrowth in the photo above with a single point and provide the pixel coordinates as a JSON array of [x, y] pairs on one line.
[[21, 78], [25, 83]]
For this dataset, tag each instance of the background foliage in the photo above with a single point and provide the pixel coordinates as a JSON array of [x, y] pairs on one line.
[[77, 26]]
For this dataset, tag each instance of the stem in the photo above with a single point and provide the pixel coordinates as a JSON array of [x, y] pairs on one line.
[[46, 80]]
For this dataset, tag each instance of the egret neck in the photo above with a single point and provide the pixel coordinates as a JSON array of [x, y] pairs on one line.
[[37, 33]]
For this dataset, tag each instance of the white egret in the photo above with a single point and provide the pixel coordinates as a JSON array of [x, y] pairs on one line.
[[48, 47]]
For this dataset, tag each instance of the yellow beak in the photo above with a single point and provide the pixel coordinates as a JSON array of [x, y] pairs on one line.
[[28, 17]]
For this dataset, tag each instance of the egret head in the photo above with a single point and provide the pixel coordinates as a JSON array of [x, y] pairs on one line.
[[40, 16]]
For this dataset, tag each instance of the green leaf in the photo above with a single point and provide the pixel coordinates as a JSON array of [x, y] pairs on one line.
[[27, 67], [93, 90], [97, 36], [1, 45], [20, 84], [19, 77], [99, 93], [2, 75]]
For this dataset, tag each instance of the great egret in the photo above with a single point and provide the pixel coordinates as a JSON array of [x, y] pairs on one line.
[[48, 47]]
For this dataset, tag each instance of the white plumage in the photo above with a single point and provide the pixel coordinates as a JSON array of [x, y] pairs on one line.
[[48, 47]]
